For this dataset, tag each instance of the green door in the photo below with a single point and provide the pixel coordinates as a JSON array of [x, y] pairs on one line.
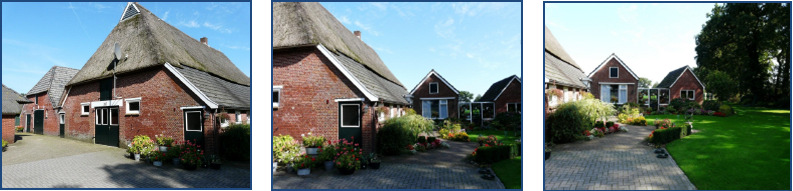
[[38, 122], [106, 132], [194, 127], [350, 121], [27, 126]]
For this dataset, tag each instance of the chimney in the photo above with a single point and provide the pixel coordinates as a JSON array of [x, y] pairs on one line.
[[205, 40], [357, 34]]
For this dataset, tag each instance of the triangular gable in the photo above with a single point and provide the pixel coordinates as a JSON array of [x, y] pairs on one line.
[[129, 11], [614, 56], [514, 78], [499, 86], [432, 72], [688, 68]]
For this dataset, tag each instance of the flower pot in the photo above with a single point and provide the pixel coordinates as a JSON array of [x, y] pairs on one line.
[[163, 149], [311, 150], [374, 165], [547, 155], [157, 163], [190, 167], [346, 171], [175, 161], [137, 157], [328, 165], [303, 171], [215, 166]]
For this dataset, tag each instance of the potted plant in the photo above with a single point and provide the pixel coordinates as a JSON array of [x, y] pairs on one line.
[[5, 145], [374, 162], [141, 145], [304, 165], [163, 142], [312, 143], [191, 156], [19, 129], [175, 153], [158, 157], [214, 162], [547, 152], [348, 161], [327, 154]]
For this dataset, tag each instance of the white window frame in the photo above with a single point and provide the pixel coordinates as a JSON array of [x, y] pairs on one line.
[[237, 117], [276, 105], [61, 118], [199, 117], [618, 72], [516, 106], [341, 113], [84, 112], [441, 104], [622, 87], [693, 94], [132, 100], [110, 118], [99, 116], [437, 88]]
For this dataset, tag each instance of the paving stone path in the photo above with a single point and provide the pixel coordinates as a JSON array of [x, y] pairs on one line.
[[436, 169], [615, 162], [39, 161]]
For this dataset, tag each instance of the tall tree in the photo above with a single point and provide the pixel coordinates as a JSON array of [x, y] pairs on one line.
[[466, 96], [478, 97], [645, 82], [748, 42]]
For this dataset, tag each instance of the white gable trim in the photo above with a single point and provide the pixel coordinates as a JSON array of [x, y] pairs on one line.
[[618, 60], [439, 77], [505, 87], [191, 86], [692, 73], [125, 10], [346, 73]]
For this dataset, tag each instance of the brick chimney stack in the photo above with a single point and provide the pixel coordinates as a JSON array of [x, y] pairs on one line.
[[357, 34], [205, 41]]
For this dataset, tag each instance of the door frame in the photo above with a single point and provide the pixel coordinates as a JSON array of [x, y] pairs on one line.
[[341, 125], [200, 111]]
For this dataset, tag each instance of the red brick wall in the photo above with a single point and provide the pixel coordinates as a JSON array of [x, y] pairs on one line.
[[511, 94], [310, 85], [423, 91], [8, 128], [687, 82], [162, 95], [51, 124], [602, 75]]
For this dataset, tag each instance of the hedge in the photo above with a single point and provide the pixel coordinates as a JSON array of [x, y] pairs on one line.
[[664, 136], [493, 154]]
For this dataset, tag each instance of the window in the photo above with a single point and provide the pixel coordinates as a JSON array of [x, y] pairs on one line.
[[16, 120], [687, 94], [433, 87], [237, 117], [623, 98], [85, 108], [113, 116], [133, 106], [277, 96], [513, 107], [192, 116], [106, 89], [101, 116], [393, 112], [614, 72], [435, 109], [350, 115], [37, 99], [62, 118], [616, 94]]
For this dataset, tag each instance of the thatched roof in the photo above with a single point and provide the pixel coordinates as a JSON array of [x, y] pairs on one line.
[[297, 24], [553, 46], [149, 41], [11, 101], [53, 83]]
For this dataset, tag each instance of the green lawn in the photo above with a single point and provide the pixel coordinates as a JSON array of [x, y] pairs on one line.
[[509, 138], [509, 172], [746, 151]]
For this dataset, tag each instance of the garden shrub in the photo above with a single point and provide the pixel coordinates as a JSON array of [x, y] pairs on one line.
[[566, 123], [594, 109], [461, 136], [609, 124], [725, 109], [679, 104], [687, 129], [508, 121], [443, 133], [599, 124], [492, 154], [664, 136], [285, 149], [393, 137], [235, 142], [431, 139], [638, 121], [422, 139], [632, 105]]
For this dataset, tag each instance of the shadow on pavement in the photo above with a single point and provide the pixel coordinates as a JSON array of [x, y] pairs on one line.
[[168, 176]]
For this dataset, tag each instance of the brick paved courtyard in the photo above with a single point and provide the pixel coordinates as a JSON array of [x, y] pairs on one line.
[[615, 162], [436, 169], [39, 161]]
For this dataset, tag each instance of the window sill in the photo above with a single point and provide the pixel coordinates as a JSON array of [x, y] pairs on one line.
[[132, 114], [83, 115]]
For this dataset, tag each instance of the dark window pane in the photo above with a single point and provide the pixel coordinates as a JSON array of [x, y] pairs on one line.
[[105, 116], [433, 88], [114, 116], [105, 89], [194, 121], [435, 108], [134, 106], [276, 96], [85, 108], [614, 72], [350, 115]]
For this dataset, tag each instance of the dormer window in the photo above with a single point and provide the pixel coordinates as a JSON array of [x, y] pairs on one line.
[[614, 72], [434, 88]]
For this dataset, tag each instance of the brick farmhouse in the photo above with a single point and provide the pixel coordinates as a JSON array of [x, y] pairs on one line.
[[12, 107], [162, 82], [326, 80], [45, 115], [564, 79], [683, 83], [614, 82], [506, 94], [435, 98]]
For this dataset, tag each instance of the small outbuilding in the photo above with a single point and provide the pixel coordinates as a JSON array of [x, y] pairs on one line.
[[614, 82], [12, 107], [435, 98]]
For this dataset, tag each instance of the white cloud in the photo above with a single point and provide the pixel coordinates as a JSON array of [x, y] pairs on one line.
[[380, 5], [366, 28], [190, 24], [217, 27], [344, 20], [165, 16], [445, 28]]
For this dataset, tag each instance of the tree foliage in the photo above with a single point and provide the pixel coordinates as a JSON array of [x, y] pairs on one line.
[[750, 42], [466, 96], [721, 84], [645, 82]]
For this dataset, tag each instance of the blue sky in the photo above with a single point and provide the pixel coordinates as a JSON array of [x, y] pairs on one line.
[[472, 45], [651, 38], [36, 36]]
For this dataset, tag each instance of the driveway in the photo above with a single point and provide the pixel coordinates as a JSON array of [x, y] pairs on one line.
[[38, 161], [615, 162], [435, 169]]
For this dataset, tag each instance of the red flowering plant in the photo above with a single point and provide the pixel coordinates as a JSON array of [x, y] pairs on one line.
[[305, 162], [410, 147], [587, 133], [328, 151], [158, 156], [474, 153], [349, 158], [491, 141], [191, 154]]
